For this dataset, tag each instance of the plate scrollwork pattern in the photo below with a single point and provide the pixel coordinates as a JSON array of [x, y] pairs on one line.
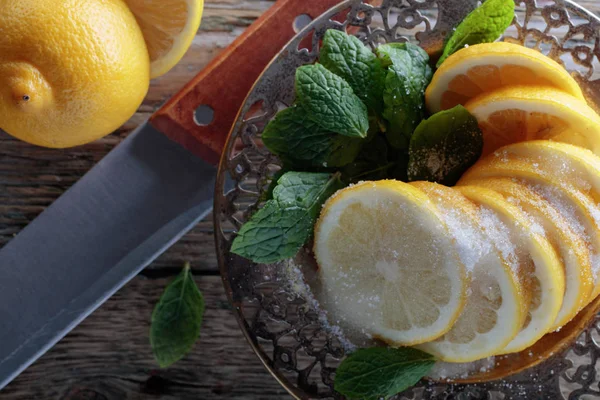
[[283, 326]]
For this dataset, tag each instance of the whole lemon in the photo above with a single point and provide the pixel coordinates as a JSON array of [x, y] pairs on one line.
[[71, 71]]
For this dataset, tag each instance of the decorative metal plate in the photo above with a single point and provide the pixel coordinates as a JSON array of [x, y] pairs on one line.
[[282, 324]]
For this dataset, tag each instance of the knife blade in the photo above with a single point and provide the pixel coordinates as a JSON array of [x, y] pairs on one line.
[[126, 211], [129, 208]]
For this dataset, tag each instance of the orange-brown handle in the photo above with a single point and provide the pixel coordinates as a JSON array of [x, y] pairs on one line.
[[225, 82]]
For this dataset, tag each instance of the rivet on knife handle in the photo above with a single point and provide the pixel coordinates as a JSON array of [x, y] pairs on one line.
[[223, 85]]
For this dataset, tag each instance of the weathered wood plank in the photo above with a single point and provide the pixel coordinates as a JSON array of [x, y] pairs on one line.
[[108, 356]]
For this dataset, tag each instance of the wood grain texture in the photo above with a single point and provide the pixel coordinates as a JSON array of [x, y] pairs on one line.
[[108, 356]]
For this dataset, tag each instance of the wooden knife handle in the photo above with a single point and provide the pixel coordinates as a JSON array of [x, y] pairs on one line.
[[225, 82]]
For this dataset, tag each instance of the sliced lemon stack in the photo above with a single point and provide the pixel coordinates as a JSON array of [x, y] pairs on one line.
[[494, 311], [387, 264], [572, 248], [556, 170], [533, 258], [485, 268], [508, 255], [483, 68]]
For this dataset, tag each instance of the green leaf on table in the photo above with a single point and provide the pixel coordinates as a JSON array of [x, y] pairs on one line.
[[348, 57], [330, 101], [381, 372], [176, 319], [445, 146], [284, 224], [301, 142], [485, 24], [404, 96]]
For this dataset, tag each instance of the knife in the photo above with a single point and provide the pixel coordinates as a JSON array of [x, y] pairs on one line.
[[143, 196]]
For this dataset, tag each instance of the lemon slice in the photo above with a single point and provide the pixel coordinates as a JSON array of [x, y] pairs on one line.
[[387, 265], [521, 113], [493, 314], [572, 248], [169, 27], [486, 67], [573, 165], [533, 257]]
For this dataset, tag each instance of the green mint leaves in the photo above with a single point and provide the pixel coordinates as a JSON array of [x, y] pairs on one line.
[[404, 96], [445, 146], [380, 372], [279, 229], [347, 57], [484, 25], [300, 142], [330, 101], [176, 319], [337, 113]]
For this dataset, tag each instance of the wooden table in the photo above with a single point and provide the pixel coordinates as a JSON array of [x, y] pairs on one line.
[[108, 356]]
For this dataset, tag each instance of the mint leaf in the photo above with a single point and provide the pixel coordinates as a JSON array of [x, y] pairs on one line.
[[305, 190], [348, 57], [330, 101], [270, 183], [483, 25], [445, 146], [381, 372], [301, 142], [279, 229], [404, 96], [176, 319], [387, 53]]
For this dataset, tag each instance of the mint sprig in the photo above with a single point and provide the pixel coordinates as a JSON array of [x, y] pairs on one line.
[[381, 372], [284, 224], [177, 319], [483, 25]]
